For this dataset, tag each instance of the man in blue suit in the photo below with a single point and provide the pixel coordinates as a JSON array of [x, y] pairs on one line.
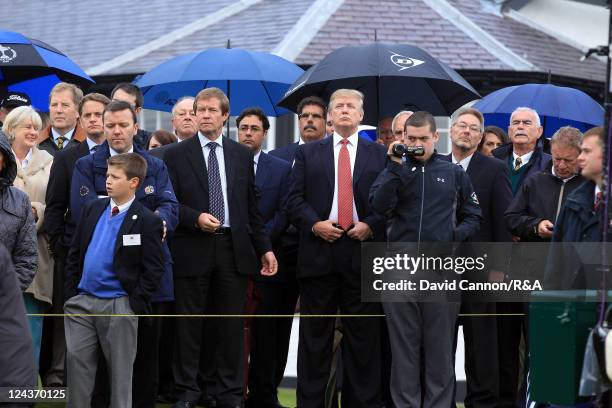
[[328, 201], [156, 194], [269, 336]]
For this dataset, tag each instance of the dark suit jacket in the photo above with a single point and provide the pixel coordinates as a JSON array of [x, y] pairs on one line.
[[160, 151], [312, 192], [287, 153], [138, 268], [491, 181], [47, 144], [272, 181], [189, 178], [58, 223]]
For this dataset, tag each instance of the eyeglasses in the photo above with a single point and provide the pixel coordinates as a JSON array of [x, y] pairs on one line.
[[307, 115], [245, 128], [464, 126]]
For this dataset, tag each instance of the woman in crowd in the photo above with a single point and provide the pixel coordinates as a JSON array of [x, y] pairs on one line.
[[161, 138], [492, 138], [21, 126]]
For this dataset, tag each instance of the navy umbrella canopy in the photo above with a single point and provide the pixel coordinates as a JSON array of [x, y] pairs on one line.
[[393, 77], [32, 66]]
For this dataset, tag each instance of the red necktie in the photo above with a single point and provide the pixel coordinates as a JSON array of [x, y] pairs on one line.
[[114, 211], [345, 188], [598, 198]]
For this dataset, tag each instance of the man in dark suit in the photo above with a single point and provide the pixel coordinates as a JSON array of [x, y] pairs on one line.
[[59, 225], [64, 131], [328, 200], [114, 267], [491, 181], [269, 337], [219, 223], [311, 113]]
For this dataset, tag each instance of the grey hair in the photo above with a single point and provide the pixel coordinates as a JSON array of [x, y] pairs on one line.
[[18, 116], [181, 99], [396, 117], [567, 136], [526, 109]]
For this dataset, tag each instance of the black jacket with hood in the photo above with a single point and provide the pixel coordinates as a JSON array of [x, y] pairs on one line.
[[16, 220]]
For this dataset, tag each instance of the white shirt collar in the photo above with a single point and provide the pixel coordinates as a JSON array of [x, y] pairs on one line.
[[524, 158], [56, 134], [26, 161], [301, 141], [91, 144], [204, 140], [352, 139], [256, 157], [465, 163], [114, 153], [122, 207], [563, 180]]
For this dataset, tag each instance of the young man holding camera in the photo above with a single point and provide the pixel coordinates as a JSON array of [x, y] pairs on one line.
[[431, 200]]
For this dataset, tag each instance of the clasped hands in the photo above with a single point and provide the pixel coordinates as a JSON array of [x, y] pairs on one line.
[[329, 231]]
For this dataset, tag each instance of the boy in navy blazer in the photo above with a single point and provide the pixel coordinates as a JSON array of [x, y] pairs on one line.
[[113, 267]]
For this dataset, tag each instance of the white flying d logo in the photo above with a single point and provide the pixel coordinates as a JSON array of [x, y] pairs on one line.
[[404, 62]]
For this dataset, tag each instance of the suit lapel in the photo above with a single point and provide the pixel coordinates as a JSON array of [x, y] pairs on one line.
[[361, 159], [128, 222], [327, 157], [263, 168], [195, 156], [229, 156], [473, 169]]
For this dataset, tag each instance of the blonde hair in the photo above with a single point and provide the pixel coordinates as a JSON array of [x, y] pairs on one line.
[[350, 93], [77, 93], [16, 117]]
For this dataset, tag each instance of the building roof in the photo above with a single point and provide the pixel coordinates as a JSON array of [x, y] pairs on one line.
[[117, 37]]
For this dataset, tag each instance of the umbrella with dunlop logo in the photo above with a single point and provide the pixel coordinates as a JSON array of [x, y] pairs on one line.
[[393, 77]]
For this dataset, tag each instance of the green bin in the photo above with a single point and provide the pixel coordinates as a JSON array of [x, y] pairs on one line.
[[559, 325]]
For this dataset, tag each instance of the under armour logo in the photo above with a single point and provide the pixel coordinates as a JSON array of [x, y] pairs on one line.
[[440, 180], [404, 62]]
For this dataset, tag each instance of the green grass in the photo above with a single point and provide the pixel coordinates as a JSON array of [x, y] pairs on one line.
[[285, 395]]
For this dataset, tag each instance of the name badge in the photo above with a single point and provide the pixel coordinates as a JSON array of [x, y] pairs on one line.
[[131, 240]]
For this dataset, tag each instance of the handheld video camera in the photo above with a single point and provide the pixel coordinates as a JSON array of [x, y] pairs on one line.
[[401, 150]]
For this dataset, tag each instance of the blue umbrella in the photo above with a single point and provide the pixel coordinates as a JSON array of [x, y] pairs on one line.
[[249, 78], [34, 67], [557, 106]]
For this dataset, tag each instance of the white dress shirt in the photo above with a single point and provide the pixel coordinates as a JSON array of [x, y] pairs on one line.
[[256, 161], [524, 158], [352, 149], [465, 163], [26, 160], [204, 141], [114, 153], [123, 207]]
